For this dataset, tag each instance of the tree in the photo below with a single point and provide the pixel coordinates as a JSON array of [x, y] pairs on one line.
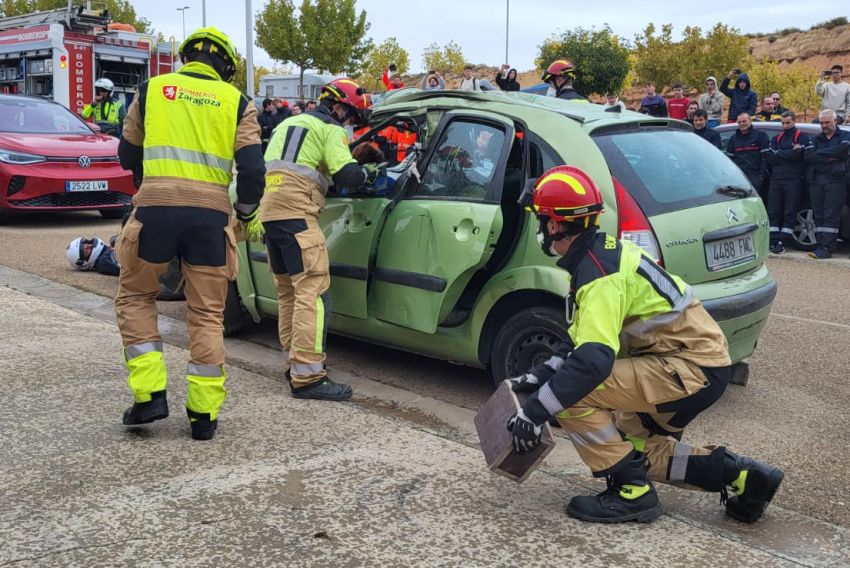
[[119, 10], [601, 61], [795, 83], [444, 61], [657, 58], [240, 78], [327, 35], [379, 58]]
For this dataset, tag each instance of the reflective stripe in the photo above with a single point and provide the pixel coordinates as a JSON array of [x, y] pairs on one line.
[[319, 346], [826, 230], [300, 169], [596, 437], [787, 230], [141, 348], [550, 402], [198, 370], [303, 369], [292, 145], [774, 229], [642, 327], [679, 462], [190, 156], [554, 362], [660, 280]]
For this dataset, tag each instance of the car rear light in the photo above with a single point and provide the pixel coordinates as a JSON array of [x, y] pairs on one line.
[[633, 225], [16, 184]]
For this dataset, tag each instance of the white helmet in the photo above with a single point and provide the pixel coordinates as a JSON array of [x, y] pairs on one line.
[[104, 83], [75, 253]]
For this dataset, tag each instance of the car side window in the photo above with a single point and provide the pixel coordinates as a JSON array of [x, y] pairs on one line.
[[541, 160], [464, 164]]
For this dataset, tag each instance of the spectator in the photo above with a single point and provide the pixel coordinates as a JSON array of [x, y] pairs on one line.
[[701, 129], [507, 82], [767, 113], [268, 119], [469, 82], [433, 81], [778, 108], [785, 160], [653, 104], [390, 79], [826, 157], [677, 106], [744, 99], [612, 100], [712, 101], [747, 148], [295, 109], [835, 93], [693, 106], [311, 105]]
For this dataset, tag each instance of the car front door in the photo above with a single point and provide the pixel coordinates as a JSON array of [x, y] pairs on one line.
[[446, 225]]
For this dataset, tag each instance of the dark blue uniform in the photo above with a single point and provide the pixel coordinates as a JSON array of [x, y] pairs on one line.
[[827, 176], [786, 183]]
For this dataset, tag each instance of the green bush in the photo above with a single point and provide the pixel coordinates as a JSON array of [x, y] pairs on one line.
[[829, 24]]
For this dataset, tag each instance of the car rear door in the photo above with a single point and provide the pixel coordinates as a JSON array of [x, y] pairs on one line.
[[447, 223]]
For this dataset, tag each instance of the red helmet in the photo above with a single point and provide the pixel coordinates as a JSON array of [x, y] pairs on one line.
[[346, 92], [559, 68], [566, 193]]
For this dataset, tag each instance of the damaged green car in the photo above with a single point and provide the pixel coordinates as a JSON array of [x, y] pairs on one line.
[[439, 258]]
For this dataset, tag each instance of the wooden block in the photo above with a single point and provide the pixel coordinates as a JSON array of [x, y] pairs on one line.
[[496, 441]]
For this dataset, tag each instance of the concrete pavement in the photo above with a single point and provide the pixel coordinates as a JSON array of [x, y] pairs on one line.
[[391, 479]]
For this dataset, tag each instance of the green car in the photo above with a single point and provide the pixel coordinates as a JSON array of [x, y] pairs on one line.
[[439, 258]]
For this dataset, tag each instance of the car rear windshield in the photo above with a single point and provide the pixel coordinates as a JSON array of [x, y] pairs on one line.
[[668, 170], [32, 116]]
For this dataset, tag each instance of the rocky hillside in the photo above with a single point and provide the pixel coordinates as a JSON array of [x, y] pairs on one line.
[[819, 48]]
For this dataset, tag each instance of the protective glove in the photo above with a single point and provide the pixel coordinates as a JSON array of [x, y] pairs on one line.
[[254, 230], [526, 383], [372, 172], [526, 434], [246, 212]]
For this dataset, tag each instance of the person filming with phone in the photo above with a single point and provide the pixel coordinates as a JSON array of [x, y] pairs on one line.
[[834, 92], [743, 98]]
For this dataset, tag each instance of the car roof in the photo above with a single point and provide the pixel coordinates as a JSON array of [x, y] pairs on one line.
[[12, 97]]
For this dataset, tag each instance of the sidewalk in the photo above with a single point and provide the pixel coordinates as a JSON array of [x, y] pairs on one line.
[[376, 482]]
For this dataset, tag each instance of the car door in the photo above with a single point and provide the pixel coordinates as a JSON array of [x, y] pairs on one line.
[[446, 225]]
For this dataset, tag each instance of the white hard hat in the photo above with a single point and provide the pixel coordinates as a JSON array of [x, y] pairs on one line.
[[76, 255], [104, 83]]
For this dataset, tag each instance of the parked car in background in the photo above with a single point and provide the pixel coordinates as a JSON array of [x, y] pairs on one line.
[[50, 159], [440, 259], [539, 89], [804, 230]]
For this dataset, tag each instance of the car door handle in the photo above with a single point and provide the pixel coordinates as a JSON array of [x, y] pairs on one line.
[[465, 229]]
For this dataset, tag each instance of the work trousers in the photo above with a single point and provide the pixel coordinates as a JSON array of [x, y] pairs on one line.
[[828, 196], [756, 179], [783, 204], [146, 244], [299, 261], [644, 405]]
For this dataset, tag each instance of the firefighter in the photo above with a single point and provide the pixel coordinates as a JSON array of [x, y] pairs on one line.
[[560, 76], [625, 417], [185, 130], [306, 154], [105, 108]]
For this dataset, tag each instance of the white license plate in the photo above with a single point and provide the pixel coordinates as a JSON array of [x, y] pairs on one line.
[[90, 185], [726, 253]]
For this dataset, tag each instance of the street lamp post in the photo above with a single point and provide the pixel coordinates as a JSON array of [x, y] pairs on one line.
[[249, 49], [507, 27], [204, 13], [183, 12]]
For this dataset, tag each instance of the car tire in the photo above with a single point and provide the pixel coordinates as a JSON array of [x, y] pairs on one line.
[[236, 315], [804, 231], [112, 213], [525, 339]]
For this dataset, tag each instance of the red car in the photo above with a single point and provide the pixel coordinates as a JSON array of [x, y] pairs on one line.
[[51, 160]]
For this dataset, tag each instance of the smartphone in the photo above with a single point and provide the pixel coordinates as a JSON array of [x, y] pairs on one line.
[[736, 71]]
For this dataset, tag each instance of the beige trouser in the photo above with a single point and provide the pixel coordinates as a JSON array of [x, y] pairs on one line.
[[636, 385]]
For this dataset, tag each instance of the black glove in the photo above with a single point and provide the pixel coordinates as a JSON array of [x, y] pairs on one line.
[[526, 383], [246, 212], [526, 433]]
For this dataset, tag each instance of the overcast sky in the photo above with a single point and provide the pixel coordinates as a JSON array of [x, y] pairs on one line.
[[479, 25]]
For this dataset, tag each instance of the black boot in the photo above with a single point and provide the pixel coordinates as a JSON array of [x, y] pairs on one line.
[[324, 389], [202, 427], [630, 497], [754, 484], [146, 412]]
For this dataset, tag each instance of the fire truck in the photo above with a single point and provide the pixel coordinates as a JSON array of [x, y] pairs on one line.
[[60, 53]]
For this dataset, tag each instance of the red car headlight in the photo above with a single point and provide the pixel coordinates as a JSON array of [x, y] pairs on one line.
[[19, 158]]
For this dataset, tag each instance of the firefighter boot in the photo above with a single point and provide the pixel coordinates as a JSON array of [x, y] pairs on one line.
[[754, 484], [324, 389], [202, 427], [630, 497], [146, 412]]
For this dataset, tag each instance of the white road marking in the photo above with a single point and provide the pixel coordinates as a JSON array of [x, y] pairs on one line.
[[809, 320]]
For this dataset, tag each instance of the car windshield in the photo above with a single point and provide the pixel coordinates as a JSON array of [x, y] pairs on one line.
[[668, 170], [32, 116]]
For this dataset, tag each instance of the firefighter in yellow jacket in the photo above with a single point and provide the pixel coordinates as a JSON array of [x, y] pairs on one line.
[[185, 130], [306, 154], [625, 416]]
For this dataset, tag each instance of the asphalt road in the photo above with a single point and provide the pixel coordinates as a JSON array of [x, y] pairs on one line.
[[793, 413]]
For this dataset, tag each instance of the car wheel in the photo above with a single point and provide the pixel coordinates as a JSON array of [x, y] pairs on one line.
[[527, 338], [804, 231], [112, 213], [236, 315]]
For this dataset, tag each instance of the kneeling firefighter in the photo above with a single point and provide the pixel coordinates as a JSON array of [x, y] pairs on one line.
[[185, 130], [625, 416], [306, 154]]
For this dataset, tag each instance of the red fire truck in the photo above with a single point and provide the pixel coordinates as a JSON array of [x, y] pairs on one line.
[[60, 53]]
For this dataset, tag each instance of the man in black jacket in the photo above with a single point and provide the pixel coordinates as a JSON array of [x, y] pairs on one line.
[[701, 129], [785, 159], [268, 119], [747, 148]]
